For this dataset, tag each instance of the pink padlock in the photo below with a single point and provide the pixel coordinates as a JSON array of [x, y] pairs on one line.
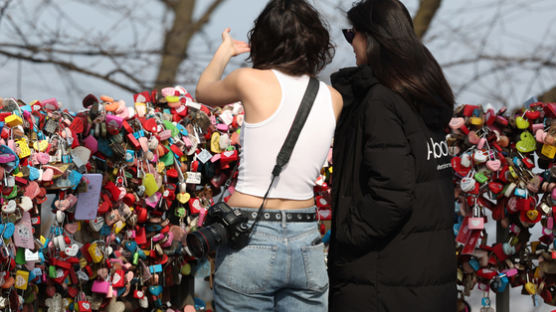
[[100, 287], [169, 240], [510, 272], [165, 135], [481, 143], [114, 121]]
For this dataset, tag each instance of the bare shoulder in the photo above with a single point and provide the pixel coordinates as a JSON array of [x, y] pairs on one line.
[[337, 101], [249, 78]]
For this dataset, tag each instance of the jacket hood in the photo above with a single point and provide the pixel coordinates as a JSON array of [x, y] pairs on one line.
[[354, 82]]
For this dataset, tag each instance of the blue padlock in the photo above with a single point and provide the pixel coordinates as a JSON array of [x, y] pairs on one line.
[[474, 264]]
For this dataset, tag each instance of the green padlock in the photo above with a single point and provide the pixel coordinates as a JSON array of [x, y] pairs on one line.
[[12, 194], [480, 177], [168, 125], [20, 256], [52, 272], [135, 258], [180, 212], [168, 158]]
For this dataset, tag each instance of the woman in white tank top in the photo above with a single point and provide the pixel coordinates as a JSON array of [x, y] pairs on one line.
[[280, 269]]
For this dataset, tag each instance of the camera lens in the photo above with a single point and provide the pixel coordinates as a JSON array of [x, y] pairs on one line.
[[205, 240]]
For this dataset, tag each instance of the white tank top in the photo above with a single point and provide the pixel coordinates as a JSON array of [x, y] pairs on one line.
[[262, 141]]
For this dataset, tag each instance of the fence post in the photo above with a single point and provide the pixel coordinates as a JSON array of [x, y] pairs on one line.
[[502, 299]]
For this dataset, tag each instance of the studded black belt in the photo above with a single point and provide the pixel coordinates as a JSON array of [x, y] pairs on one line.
[[277, 215]]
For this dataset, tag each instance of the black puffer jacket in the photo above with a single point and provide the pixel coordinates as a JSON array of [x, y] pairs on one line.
[[392, 246]]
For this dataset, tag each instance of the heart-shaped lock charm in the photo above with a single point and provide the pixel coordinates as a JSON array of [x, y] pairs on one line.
[[9, 207], [183, 197], [80, 155], [47, 175], [493, 165], [97, 223], [527, 143], [456, 123], [473, 137], [467, 184], [41, 145], [137, 294], [540, 136], [32, 190], [195, 206], [72, 250], [532, 215], [26, 203], [71, 227], [155, 290], [521, 123], [466, 160], [479, 156], [131, 246], [42, 158]]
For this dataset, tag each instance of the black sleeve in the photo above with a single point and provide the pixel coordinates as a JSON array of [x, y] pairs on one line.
[[388, 192]]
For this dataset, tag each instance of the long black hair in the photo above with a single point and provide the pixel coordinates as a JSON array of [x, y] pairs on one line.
[[289, 35], [398, 58]]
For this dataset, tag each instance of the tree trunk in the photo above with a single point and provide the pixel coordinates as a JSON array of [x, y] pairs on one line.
[[423, 18], [176, 41], [178, 37]]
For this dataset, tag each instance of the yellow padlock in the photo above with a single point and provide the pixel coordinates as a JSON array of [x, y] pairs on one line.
[[118, 226], [512, 172], [476, 121], [548, 151], [531, 288], [24, 150], [13, 120], [83, 263], [160, 167], [150, 185], [215, 143], [95, 252], [40, 146], [21, 279]]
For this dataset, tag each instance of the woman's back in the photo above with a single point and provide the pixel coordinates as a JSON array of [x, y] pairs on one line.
[[271, 99], [262, 140]]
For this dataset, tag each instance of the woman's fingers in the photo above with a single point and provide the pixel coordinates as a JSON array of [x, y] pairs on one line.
[[226, 34]]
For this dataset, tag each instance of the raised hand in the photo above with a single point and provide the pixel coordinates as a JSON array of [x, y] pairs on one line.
[[235, 47]]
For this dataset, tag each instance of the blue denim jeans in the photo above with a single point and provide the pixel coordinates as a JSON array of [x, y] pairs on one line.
[[279, 270]]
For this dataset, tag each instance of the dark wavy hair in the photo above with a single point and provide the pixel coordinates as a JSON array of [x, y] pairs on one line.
[[289, 35], [397, 56]]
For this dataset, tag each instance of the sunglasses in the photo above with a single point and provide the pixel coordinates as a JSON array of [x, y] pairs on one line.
[[349, 34]]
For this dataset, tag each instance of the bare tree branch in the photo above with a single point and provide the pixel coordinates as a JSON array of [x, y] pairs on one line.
[[501, 58], [71, 67], [3, 9], [88, 52], [423, 18]]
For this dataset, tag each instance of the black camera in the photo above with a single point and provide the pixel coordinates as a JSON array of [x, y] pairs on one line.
[[223, 225]]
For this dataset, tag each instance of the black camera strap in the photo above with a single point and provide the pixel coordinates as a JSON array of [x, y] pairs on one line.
[[293, 134]]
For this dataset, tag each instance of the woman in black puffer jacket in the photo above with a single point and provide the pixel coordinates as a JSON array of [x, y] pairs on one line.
[[392, 246]]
